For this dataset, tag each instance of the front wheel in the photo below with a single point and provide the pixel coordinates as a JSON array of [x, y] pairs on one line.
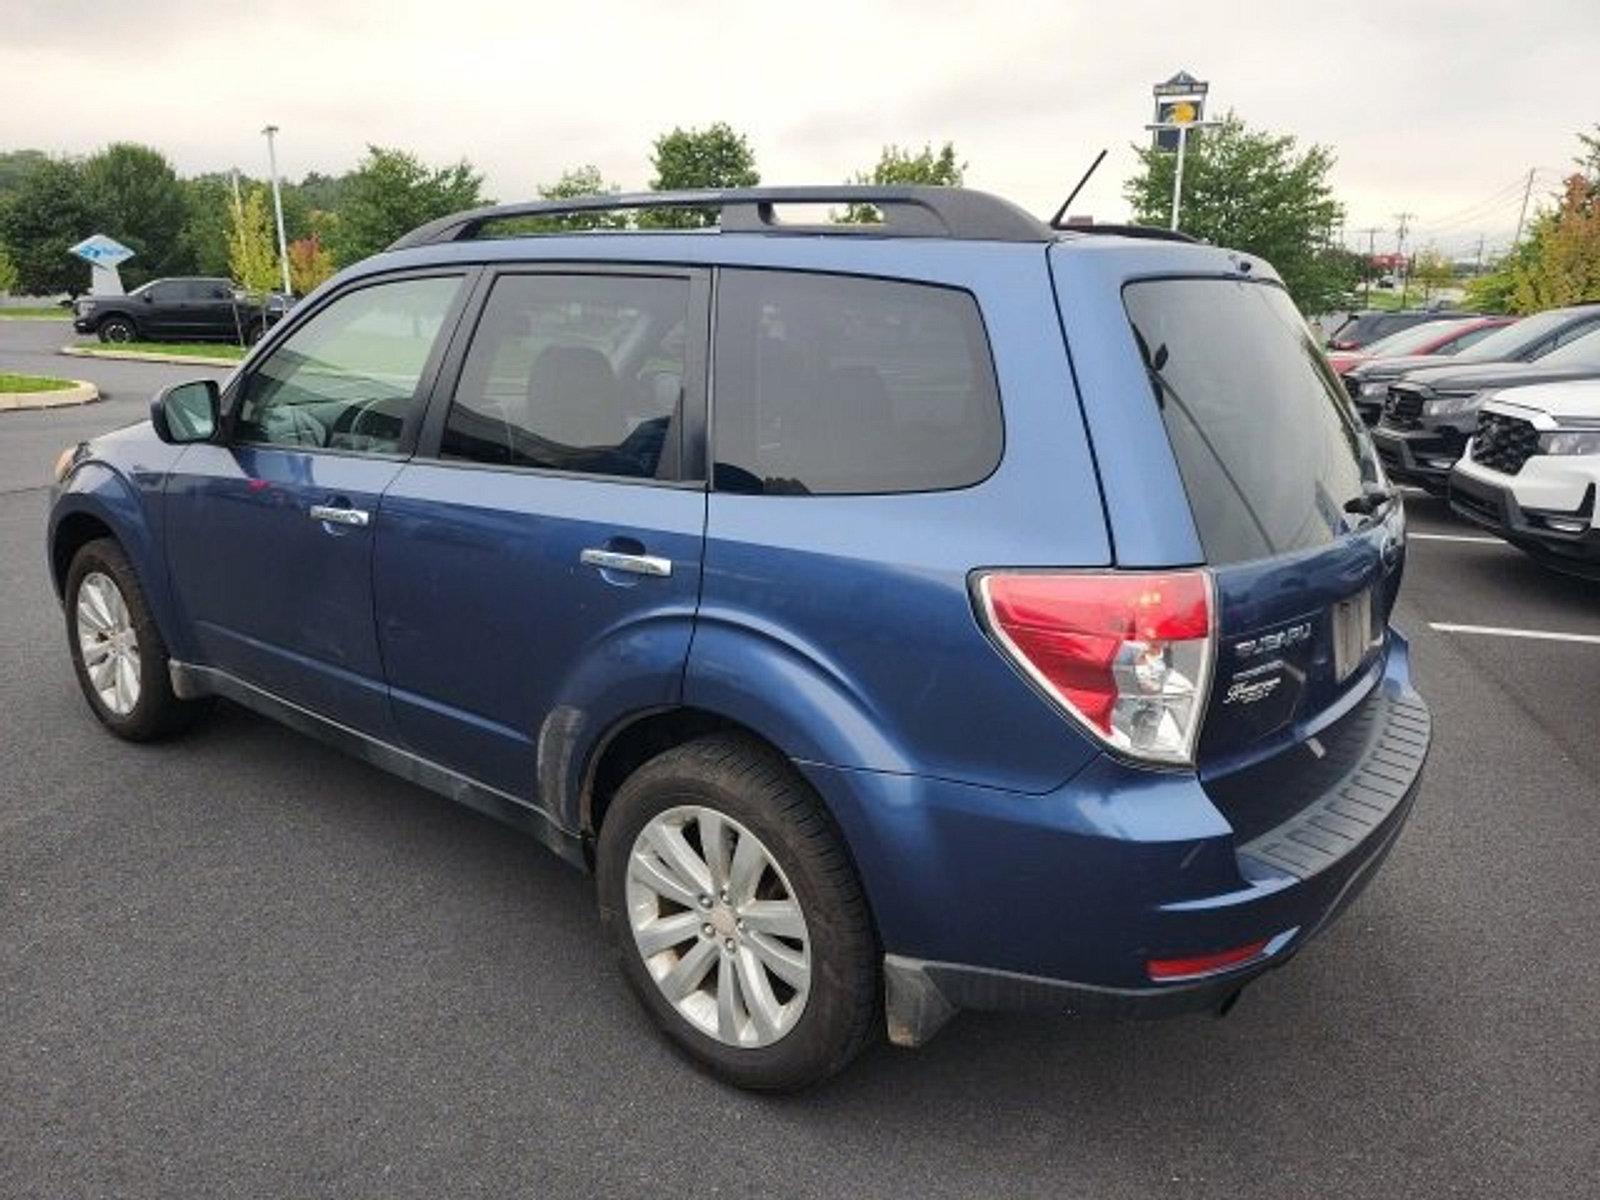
[[736, 914], [117, 651], [117, 330]]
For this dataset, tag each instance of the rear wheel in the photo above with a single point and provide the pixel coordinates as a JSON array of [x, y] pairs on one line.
[[117, 330], [736, 914], [117, 651]]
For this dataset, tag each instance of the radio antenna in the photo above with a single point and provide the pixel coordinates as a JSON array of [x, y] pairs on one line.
[[1055, 221]]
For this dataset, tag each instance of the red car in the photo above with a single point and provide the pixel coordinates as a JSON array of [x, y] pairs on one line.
[[1431, 337]]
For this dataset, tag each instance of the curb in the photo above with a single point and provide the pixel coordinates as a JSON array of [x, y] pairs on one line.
[[198, 360], [79, 393]]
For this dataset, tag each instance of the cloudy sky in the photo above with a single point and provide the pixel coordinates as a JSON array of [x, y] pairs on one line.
[[1436, 108]]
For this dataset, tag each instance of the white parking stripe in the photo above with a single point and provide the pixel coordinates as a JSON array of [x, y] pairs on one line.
[[1543, 635], [1412, 535]]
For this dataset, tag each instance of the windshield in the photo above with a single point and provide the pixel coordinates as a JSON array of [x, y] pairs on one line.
[[1409, 340], [1581, 352], [1264, 438], [1515, 338]]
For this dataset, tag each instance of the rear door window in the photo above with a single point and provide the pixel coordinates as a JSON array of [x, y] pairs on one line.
[[579, 373], [832, 385], [1264, 439]]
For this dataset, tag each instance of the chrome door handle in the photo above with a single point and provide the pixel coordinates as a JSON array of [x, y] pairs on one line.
[[358, 517], [634, 564]]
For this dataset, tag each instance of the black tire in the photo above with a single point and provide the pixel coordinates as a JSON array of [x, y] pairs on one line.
[[157, 711], [254, 332], [116, 330], [739, 778]]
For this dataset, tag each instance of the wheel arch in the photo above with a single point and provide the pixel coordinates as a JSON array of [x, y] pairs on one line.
[[99, 501]]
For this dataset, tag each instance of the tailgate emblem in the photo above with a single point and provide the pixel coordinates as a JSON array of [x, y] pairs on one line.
[[1249, 692], [1270, 643]]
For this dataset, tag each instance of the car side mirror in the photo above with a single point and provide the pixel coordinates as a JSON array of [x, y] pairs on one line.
[[187, 412], [147, 297]]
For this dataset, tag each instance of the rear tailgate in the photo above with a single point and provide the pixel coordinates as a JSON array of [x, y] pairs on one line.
[[1244, 455]]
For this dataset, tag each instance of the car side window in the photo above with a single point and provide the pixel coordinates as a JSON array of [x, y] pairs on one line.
[[575, 373], [347, 378], [831, 384], [1572, 333]]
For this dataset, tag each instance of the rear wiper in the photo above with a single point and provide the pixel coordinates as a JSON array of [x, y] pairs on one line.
[[1372, 498]]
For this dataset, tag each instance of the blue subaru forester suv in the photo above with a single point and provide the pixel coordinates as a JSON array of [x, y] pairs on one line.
[[945, 612]]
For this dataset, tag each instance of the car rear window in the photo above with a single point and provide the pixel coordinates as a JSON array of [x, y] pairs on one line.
[[1264, 439], [830, 385]]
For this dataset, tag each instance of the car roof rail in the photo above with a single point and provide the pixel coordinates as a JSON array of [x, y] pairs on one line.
[[907, 211], [1153, 232]]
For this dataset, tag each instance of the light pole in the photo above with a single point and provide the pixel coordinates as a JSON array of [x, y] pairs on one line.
[[1181, 127], [277, 208]]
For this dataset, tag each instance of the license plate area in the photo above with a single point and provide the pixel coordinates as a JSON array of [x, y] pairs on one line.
[[1355, 634]]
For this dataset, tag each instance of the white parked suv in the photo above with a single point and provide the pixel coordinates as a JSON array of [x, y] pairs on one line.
[[1532, 471]]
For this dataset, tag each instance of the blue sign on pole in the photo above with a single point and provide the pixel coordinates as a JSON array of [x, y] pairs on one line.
[[101, 251]]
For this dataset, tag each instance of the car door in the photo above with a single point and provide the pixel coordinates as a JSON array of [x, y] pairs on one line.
[[162, 315], [537, 563], [213, 310], [270, 529]]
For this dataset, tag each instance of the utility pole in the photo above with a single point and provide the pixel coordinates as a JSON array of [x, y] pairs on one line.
[[1478, 268], [1402, 221], [1527, 190], [277, 206], [1372, 253]]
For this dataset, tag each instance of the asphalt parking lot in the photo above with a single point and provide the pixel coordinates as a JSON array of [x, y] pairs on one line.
[[240, 964]]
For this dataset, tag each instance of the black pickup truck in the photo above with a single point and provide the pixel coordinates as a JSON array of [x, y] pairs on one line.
[[179, 310]]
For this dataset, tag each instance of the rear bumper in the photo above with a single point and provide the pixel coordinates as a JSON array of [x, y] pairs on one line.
[[994, 900]]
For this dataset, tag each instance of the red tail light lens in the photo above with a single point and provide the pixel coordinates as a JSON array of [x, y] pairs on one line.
[[1127, 653]]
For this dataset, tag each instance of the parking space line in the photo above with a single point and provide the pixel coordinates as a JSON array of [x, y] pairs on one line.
[[1543, 635], [1413, 535]]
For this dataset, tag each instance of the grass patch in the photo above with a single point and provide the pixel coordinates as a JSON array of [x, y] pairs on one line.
[[33, 383], [179, 349], [36, 312]]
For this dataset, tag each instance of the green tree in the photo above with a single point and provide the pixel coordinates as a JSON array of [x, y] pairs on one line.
[[47, 214], [1431, 271], [208, 204], [8, 273], [252, 254], [136, 197], [895, 165], [391, 193], [15, 165], [1253, 191], [688, 159]]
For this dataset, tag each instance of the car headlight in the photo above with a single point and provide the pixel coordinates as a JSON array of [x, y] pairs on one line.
[[1375, 387], [1571, 441], [1452, 403]]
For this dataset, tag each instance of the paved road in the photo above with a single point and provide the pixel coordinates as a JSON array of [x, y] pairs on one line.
[[243, 965], [30, 441]]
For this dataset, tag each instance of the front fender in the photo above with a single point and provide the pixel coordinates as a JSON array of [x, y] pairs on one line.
[[131, 511]]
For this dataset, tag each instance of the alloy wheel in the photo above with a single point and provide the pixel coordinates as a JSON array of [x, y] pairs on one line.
[[718, 926], [108, 642]]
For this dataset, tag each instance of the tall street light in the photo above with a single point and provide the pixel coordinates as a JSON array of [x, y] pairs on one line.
[[277, 208]]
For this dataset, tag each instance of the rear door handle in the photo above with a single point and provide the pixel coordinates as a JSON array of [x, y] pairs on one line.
[[633, 564], [358, 517]]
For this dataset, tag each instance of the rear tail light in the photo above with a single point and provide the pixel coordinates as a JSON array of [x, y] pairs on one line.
[[1126, 653]]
